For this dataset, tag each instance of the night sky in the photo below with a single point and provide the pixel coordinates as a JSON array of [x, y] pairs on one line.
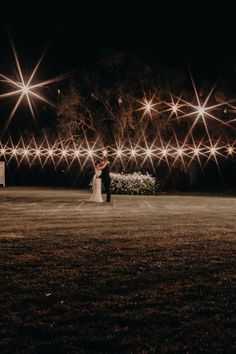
[[195, 35], [203, 36]]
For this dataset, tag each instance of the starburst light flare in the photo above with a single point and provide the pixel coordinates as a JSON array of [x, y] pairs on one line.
[[202, 111], [174, 107], [147, 106], [24, 88], [65, 152]]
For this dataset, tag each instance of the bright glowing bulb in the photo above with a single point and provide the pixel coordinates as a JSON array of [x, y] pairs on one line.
[[196, 151], [14, 151], [64, 152], [90, 152], [164, 152], [119, 152], [213, 150], [37, 152], [2, 151], [148, 152], [180, 151], [133, 152], [230, 150], [148, 107], [50, 152], [174, 108], [25, 152], [201, 110], [25, 89], [77, 152]]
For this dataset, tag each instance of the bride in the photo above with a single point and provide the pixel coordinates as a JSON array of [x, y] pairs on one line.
[[97, 184]]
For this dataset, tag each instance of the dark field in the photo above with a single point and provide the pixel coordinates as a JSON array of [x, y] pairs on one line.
[[141, 275]]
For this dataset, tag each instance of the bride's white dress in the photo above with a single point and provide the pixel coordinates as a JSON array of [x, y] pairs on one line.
[[97, 187]]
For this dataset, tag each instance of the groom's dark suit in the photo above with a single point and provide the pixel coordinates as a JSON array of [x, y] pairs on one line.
[[106, 180]]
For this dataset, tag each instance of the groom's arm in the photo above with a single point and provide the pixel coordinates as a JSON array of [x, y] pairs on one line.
[[102, 167]]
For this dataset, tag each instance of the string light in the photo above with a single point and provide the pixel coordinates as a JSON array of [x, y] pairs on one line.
[[147, 106], [230, 150], [119, 152], [25, 89], [28, 153]]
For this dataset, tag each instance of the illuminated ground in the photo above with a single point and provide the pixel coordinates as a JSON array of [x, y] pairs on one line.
[[144, 274]]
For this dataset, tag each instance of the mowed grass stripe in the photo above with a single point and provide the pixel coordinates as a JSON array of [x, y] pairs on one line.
[[78, 277]]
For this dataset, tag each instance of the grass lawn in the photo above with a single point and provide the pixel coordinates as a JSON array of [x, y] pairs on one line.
[[149, 274]]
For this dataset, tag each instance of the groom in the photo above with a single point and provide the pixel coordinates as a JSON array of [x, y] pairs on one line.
[[106, 179]]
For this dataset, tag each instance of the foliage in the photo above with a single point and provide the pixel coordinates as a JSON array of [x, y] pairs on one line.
[[136, 183], [106, 106], [105, 100]]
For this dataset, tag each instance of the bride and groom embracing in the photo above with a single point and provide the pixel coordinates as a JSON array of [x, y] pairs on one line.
[[102, 176]]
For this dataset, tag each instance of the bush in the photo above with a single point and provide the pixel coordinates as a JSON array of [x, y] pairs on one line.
[[136, 183]]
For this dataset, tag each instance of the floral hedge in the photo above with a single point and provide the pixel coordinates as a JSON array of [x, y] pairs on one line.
[[136, 183]]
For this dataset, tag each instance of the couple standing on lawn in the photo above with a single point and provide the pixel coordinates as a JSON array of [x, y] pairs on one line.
[[102, 176]]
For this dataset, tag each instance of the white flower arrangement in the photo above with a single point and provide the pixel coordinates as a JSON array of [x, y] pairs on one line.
[[136, 183]]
